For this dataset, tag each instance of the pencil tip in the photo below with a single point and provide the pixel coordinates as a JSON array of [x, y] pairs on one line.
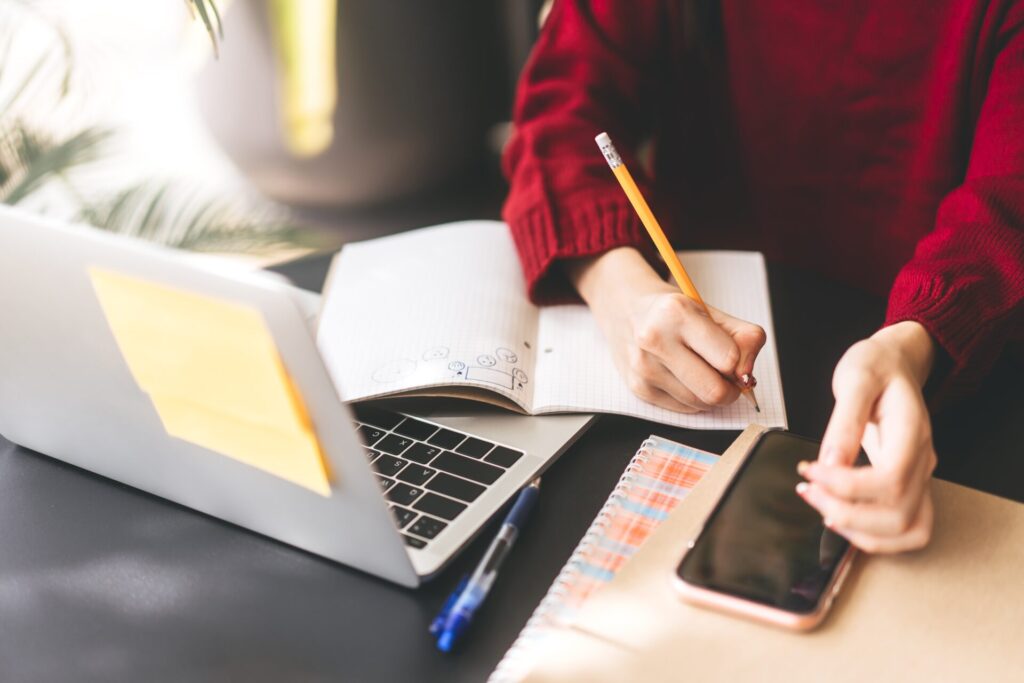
[[749, 393]]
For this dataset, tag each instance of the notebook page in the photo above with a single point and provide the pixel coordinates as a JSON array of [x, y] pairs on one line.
[[437, 307], [579, 374]]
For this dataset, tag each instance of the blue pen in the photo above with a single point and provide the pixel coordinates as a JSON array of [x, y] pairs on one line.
[[461, 613], [437, 625]]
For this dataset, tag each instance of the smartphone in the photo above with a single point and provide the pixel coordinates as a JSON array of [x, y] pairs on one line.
[[763, 552]]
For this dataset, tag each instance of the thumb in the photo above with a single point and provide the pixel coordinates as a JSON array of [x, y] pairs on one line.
[[748, 337], [856, 393]]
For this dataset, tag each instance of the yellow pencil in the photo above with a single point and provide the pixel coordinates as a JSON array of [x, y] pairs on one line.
[[668, 254]]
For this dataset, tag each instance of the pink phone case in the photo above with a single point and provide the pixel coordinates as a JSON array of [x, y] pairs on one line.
[[763, 613]]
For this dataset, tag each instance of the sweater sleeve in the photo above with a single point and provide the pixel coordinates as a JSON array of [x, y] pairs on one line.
[[965, 282], [590, 71]]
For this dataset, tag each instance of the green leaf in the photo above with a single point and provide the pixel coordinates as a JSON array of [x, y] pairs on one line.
[[185, 219], [34, 161], [204, 14]]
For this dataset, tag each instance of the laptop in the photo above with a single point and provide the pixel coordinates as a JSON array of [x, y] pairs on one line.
[[411, 484]]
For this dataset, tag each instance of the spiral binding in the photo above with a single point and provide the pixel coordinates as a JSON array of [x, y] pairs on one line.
[[514, 665]]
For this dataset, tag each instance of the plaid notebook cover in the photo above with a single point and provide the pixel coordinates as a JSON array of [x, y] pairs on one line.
[[659, 476]]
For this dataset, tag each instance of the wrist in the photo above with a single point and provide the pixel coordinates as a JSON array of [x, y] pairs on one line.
[[615, 277], [913, 344]]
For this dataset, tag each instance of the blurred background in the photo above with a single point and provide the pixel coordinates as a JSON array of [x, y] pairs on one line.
[[259, 128]]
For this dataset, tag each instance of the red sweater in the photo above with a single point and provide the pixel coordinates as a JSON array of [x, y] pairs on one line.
[[880, 142]]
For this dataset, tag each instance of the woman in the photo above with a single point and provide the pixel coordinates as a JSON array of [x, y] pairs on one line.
[[879, 142]]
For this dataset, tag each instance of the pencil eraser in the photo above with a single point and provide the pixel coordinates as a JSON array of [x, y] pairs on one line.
[[611, 155]]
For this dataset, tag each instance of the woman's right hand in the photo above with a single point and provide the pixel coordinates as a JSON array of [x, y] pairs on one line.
[[668, 350]]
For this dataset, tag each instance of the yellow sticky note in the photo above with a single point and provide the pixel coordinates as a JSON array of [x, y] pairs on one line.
[[214, 374]]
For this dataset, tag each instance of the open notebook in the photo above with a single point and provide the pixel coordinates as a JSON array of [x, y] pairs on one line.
[[444, 311]]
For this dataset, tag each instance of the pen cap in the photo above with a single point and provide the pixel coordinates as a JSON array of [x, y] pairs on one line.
[[524, 503]]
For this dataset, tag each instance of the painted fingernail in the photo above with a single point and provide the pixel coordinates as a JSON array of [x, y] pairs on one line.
[[802, 488], [803, 467]]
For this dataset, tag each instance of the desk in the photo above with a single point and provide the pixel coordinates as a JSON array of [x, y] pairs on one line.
[[101, 582]]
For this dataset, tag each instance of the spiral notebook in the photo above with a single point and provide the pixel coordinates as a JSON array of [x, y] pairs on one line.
[[657, 478]]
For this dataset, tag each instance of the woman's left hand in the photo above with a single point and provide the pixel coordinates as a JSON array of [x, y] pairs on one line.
[[886, 507]]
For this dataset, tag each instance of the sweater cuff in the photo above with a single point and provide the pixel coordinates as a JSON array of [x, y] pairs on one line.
[[544, 243], [952, 323]]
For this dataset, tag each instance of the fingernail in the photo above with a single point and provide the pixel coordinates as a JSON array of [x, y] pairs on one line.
[[827, 522], [803, 467], [802, 488]]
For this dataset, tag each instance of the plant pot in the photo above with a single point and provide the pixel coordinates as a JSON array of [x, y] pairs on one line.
[[419, 83]]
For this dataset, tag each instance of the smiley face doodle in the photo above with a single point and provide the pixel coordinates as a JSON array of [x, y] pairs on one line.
[[520, 376], [436, 353], [487, 360], [507, 355]]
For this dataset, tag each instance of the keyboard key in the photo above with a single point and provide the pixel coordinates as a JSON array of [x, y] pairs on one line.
[[388, 465], [384, 419], [439, 507], [414, 542], [403, 494], [446, 438], [503, 457], [393, 444], [455, 487], [415, 428], [474, 448], [371, 454], [421, 453], [402, 515], [385, 483], [467, 467], [427, 527], [371, 435], [416, 474]]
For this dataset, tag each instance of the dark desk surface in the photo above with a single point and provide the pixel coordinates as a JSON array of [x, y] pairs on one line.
[[99, 582]]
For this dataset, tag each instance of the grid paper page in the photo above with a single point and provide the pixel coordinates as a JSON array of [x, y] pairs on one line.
[[659, 476], [579, 374], [442, 306]]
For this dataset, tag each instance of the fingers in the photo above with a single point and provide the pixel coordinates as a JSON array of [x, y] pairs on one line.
[[870, 500], [646, 390], [884, 507], [856, 387], [681, 357], [709, 341], [675, 321], [649, 377], [748, 337], [682, 352], [904, 430], [686, 374], [866, 517], [915, 537]]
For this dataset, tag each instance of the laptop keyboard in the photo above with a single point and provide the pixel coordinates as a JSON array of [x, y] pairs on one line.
[[429, 474]]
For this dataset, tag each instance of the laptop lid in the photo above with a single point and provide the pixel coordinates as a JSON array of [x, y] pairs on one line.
[[66, 391]]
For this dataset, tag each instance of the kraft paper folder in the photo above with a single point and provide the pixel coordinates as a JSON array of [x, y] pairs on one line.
[[952, 612]]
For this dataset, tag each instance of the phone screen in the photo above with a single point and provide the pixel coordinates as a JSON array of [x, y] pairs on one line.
[[763, 542]]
